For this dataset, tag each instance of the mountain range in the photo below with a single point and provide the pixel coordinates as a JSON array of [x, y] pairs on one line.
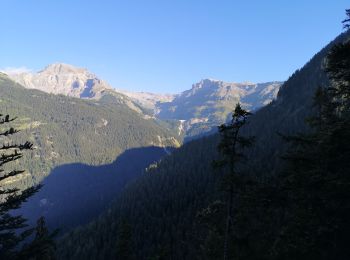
[[83, 123], [192, 112], [209, 103]]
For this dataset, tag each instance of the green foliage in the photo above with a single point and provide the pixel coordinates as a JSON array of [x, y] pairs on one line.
[[43, 246], [66, 130], [11, 227]]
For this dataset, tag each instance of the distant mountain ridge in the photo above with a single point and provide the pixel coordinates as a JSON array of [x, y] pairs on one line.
[[208, 95], [210, 102], [192, 112]]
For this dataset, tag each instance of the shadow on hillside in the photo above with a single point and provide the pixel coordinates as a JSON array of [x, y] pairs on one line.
[[74, 194]]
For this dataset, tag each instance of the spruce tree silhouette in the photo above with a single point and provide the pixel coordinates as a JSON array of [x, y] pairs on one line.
[[231, 148], [13, 228]]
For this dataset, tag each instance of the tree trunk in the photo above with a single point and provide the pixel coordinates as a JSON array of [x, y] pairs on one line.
[[228, 223]]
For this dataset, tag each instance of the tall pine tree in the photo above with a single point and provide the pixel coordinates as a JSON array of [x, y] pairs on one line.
[[43, 246], [231, 147]]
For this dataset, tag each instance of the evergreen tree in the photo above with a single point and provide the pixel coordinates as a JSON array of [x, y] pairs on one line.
[[124, 243], [346, 21], [13, 228], [43, 246], [231, 148], [11, 198]]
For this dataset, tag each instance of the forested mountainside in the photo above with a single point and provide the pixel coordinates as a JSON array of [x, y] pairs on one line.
[[66, 130], [170, 209], [288, 114], [160, 206]]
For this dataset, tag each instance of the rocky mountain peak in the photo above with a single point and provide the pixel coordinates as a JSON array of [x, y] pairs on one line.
[[61, 78], [62, 68], [209, 102], [206, 83]]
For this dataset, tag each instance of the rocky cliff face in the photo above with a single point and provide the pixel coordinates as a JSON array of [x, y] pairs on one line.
[[147, 99], [206, 96], [63, 79], [209, 103]]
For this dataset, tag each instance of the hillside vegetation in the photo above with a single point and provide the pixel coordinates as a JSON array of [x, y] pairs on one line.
[[65, 130]]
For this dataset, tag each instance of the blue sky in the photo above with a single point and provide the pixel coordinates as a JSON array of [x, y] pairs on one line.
[[165, 46]]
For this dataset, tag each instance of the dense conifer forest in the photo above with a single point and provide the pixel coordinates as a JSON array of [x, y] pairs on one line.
[[291, 195], [68, 130]]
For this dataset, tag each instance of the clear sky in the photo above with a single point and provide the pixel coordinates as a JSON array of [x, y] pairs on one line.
[[166, 45]]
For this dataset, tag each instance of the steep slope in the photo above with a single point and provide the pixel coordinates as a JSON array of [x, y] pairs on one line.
[[162, 205], [66, 130], [210, 102], [289, 112]]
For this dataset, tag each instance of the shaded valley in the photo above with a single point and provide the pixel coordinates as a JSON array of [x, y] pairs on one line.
[[74, 194]]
